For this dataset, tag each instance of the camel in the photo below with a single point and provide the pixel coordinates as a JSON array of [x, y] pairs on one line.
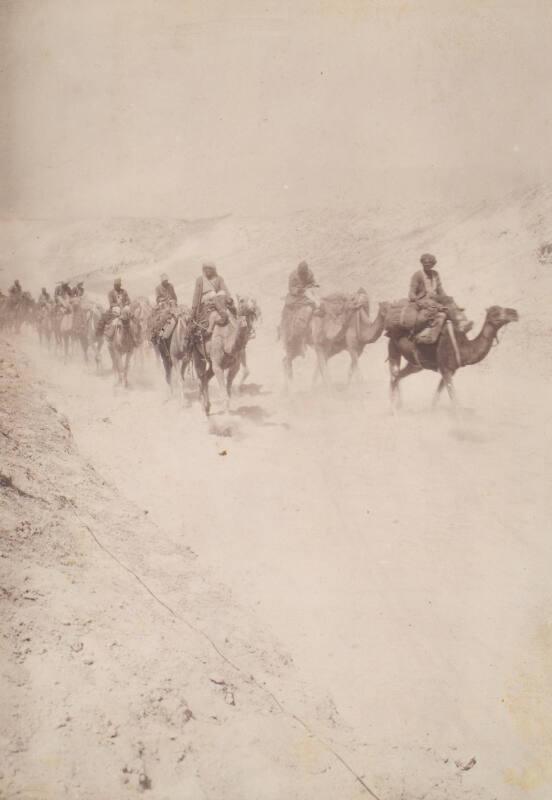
[[296, 335], [63, 326], [45, 323], [354, 332], [452, 351], [122, 342], [248, 308], [174, 347], [86, 316], [141, 310], [220, 355], [18, 310]]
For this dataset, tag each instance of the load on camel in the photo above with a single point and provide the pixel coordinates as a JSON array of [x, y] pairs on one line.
[[342, 322], [451, 351]]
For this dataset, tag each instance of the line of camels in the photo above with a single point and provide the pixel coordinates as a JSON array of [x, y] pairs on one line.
[[223, 353]]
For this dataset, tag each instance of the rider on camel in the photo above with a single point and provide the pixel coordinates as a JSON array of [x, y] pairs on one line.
[[15, 293], [426, 284], [210, 294], [165, 304], [165, 293], [118, 299], [300, 302], [44, 298], [427, 293]]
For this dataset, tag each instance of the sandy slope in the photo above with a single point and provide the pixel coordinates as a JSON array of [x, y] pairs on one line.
[[387, 576], [124, 669]]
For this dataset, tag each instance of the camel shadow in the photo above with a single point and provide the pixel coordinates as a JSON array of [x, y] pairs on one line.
[[258, 415], [252, 389]]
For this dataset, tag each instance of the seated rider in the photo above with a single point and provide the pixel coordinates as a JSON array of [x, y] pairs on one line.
[[299, 295], [210, 294], [426, 291], [15, 293], [44, 298], [165, 293], [166, 301], [62, 296], [425, 284], [118, 299]]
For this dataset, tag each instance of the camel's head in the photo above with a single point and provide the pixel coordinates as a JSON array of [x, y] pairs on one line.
[[249, 308], [499, 316]]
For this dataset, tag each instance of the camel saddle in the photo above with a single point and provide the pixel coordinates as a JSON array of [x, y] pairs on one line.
[[336, 310]]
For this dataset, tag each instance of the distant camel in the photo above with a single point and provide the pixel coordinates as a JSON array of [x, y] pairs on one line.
[[86, 316], [63, 326], [44, 323], [354, 332], [122, 343], [141, 309], [452, 351]]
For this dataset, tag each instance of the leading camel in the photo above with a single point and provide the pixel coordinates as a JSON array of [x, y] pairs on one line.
[[452, 351]]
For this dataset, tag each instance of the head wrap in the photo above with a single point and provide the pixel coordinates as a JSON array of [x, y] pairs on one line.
[[428, 258]]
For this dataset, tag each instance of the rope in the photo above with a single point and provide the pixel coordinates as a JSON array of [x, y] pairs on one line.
[[452, 335]]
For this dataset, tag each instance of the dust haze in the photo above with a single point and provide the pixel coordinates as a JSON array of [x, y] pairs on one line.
[[309, 596]]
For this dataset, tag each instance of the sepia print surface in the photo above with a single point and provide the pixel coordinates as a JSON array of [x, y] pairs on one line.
[[275, 438]]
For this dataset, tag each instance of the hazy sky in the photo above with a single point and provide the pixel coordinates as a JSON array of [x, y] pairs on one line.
[[176, 108]]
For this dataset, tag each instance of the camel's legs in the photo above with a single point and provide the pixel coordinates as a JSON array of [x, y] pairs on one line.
[[438, 391], [353, 368], [449, 385], [126, 363], [204, 374], [231, 374], [183, 366], [322, 367], [398, 374], [288, 370], [219, 375], [243, 363], [163, 350], [97, 354], [394, 359]]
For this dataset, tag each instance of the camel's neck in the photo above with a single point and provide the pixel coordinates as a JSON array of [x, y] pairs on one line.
[[368, 331], [237, 335], [474, 350]]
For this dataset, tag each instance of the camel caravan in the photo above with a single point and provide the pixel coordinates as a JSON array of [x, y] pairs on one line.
[[209, 339]]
